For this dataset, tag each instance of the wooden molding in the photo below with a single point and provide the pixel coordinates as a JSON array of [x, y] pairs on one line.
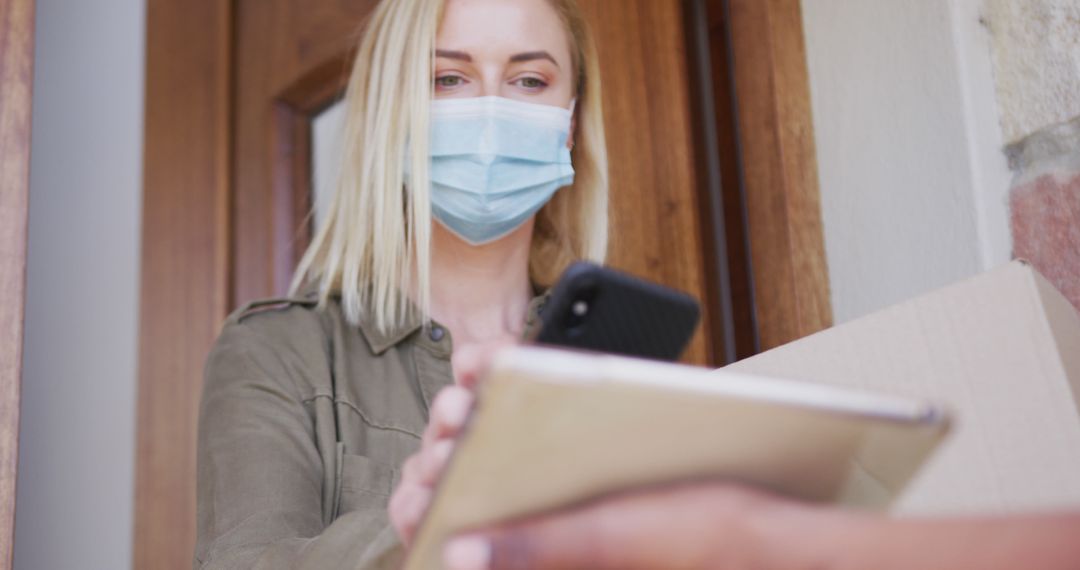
[[185, 269], [721, 207], [294, 112], [296, 58], [16, 85], [779, 168]]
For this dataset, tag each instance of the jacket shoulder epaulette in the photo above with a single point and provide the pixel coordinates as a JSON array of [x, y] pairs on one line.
[[273, 304]]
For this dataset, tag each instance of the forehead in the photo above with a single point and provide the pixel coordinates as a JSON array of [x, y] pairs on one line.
[[503, 27]]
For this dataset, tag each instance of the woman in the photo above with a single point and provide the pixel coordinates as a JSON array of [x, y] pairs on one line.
[[457, 204]]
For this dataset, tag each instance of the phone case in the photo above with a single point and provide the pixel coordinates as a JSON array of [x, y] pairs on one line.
[[599, 309]]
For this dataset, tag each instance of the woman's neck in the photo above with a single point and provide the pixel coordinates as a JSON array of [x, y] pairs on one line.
[[480, 293]]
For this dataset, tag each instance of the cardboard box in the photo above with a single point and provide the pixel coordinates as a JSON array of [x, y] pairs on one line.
[[1003, 350]]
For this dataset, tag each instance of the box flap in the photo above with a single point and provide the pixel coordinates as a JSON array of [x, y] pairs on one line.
[[999, 349], [1065, 328]]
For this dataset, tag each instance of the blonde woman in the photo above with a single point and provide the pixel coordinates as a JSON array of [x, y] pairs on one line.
[[474, 172]]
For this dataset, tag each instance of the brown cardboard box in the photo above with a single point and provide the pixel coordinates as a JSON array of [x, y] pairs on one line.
[[1003, 350]]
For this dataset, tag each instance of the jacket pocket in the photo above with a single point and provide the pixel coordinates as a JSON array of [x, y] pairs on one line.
[[364, 484]]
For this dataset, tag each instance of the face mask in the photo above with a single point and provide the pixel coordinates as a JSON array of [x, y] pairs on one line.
[[494, 163]]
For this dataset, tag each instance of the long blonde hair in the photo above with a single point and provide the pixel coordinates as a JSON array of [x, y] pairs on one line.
[[375, 244]]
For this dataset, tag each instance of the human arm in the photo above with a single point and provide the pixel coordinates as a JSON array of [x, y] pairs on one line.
[[263, 496], [716, 525]]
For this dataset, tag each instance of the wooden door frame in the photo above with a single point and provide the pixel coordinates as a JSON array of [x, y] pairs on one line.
[[294, 113], [184, 281], [757, 140], [16, 88], [770, 123], [761, 101], [283, 236]]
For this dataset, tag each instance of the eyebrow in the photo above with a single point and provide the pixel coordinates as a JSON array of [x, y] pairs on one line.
[[532, 55], [516, 58], [463, 56]]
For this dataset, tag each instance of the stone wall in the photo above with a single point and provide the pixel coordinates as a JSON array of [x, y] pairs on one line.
[[1036, 54], [1045, 204]]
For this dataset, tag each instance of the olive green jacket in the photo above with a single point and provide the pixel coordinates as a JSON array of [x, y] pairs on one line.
[[305, 421]]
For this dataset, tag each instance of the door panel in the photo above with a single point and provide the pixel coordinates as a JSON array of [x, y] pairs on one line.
[[292, 60]]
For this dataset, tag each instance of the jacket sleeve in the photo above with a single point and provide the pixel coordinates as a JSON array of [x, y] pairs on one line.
[[260, 473]]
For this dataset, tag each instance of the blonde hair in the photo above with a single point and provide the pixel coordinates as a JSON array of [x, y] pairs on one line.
[[374, 246]]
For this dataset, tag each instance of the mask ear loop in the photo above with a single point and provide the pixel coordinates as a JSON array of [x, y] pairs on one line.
[[573, 108]]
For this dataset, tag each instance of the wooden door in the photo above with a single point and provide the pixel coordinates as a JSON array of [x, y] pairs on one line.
[[232, 90], [16, 73]]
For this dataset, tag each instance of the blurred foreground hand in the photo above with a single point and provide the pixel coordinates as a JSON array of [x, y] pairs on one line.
[[716, 525]]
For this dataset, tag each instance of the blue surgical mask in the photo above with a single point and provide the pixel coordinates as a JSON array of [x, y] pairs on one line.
[[495, 162]]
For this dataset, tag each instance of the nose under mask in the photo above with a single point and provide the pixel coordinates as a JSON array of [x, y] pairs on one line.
[[494, 163]]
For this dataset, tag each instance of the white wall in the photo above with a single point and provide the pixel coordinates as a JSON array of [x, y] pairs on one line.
[[76, 447], [326, 143], [913, 180]]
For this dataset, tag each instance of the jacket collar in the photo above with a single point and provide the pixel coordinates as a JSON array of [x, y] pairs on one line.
[[381, 341]]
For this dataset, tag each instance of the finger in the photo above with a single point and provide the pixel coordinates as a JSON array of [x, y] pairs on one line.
[[407, 508], [414, 509], [470, 363], [410, 470], [432, 462], [426, 467], [449, 412]]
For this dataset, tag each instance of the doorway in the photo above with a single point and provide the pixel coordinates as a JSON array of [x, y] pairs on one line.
[[241, 101]]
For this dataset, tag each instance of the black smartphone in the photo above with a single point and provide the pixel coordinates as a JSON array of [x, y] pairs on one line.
[[600, 309]]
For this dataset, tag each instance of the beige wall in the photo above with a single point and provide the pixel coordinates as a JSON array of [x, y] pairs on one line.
[[914, 103], [913, 182]]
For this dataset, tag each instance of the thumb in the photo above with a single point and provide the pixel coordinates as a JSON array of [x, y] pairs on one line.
[[471, 362]]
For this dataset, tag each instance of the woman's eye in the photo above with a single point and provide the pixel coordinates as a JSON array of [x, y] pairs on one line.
[[449, 81], [532, 83]]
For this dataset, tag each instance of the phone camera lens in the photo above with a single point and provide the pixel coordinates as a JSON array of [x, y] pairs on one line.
[[576, 314]]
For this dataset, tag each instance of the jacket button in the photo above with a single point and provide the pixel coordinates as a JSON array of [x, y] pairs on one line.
[[437, 333]]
